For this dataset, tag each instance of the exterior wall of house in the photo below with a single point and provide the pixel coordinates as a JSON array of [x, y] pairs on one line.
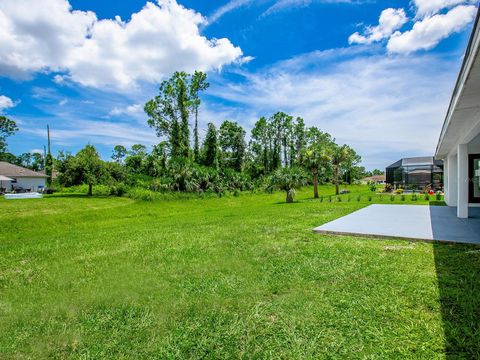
[[33, 184], [457, 178]]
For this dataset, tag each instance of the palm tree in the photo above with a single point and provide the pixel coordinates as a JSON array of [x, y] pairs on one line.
[[317, 154], [288, 180], [339, 156]]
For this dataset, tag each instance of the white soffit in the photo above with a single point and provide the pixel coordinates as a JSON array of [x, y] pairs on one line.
[[462, 122]]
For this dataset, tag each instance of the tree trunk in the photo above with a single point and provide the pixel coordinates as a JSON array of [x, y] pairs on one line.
[[196, 146], [315, 184], [90, 190], [289, 196], [336, 180]]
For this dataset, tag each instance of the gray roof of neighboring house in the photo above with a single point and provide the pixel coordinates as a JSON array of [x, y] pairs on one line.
[[15, 171], [416, 161], [375, 178]]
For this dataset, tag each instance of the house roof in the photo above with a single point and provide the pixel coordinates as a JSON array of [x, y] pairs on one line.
[[461, 121], [415, 161], [15, 171], [375, 178]]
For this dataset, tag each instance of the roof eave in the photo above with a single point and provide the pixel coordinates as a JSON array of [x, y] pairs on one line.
[[472, 49]]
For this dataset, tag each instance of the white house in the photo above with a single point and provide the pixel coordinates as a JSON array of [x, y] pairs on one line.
[[459, 143], [22, 178]]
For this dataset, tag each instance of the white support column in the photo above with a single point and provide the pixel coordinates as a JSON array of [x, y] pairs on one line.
[[462, 206], [446, 189], [452, 175]]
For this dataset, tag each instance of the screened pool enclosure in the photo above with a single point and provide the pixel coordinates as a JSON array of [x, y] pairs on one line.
[[416, 173]]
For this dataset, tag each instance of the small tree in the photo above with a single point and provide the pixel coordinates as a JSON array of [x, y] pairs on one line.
[[340, 155], [49, 168], [198, 82], [372, 185], [288, 179], [316, 155], [90, 167], [119, 153], [37, 161], [135, 160], [8, 127], [210, 147], [168, 112], [232, 143], [25, 160]]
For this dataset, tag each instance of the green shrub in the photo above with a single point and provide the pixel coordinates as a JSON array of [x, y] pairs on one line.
[[369, 198], [402, 197], [388, 188], [427, 197], [438, 195], [399, 191], [339, 199], [142, 194], [414, 197], [98, 190], [392, 197], [358, 198], [118, 189], [372, 185], [158, 185]]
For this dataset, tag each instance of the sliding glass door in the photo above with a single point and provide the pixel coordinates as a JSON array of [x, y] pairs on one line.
[[474, 175]]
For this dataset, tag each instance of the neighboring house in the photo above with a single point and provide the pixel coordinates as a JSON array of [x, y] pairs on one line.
[[416, 173], [379, 179], [459, 142], [23, 179]]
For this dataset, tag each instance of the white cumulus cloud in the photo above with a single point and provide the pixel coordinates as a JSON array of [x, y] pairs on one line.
[[39, 35], [6, 103], [428, 32], [389, 21], [432, 7], [50, 36]]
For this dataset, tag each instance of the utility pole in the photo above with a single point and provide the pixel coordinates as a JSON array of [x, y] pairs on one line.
[[49, 160], [48, 134]]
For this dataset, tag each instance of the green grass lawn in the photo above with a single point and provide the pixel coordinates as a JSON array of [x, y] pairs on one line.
[[232, 277]]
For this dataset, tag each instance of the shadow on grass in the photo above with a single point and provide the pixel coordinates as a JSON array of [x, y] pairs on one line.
[[458, 273]]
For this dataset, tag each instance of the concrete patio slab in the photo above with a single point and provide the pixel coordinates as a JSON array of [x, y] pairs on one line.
[[416, 222]]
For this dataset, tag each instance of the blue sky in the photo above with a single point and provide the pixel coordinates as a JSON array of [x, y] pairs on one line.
[[377, 75]]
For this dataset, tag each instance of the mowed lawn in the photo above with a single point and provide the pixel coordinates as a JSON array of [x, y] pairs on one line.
[[232, 277]]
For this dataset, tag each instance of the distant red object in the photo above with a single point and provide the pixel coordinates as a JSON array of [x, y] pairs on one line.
[[431, 192]]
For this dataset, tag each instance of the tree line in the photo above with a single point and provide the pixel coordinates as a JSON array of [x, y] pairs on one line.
[[280, 148]]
